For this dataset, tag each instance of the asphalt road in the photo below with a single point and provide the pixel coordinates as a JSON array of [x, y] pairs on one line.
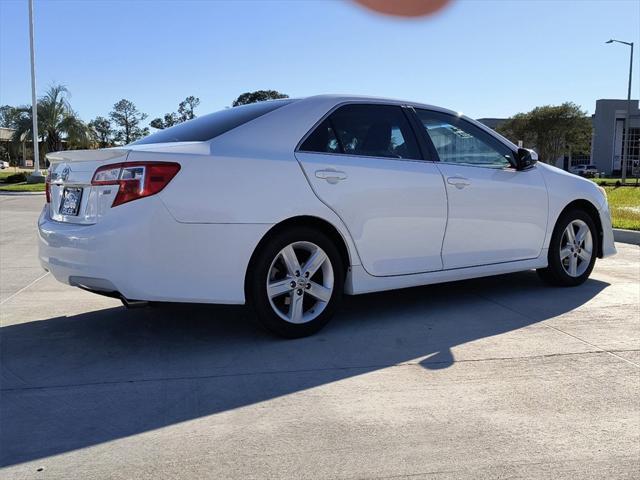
[[491, 378]]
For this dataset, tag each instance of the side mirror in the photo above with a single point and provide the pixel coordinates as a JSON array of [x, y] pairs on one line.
[[525, 158]]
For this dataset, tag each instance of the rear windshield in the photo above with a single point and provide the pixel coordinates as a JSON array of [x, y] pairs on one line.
[[210, 126]]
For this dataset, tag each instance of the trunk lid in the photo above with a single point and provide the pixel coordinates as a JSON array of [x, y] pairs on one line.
[[70, 175]]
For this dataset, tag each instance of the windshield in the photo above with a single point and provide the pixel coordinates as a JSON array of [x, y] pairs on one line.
[[214, 124]]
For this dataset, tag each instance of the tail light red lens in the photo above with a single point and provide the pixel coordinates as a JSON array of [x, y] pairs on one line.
[[47, 187], [135, 179]]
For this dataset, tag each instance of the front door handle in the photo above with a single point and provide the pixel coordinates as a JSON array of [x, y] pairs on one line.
[[331, 176], [458, 182]]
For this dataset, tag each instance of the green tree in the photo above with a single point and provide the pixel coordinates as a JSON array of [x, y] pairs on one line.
[[8, 116], [187, 107], [56, 121], [102, 131], [127, 119], [186, 111], [169, 120], [552, 130], [258, 96]]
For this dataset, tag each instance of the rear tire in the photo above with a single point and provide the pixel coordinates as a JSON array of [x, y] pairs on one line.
[[296, 282], [572, 250]]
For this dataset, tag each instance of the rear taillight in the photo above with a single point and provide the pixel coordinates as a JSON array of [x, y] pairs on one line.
[[47, 187], [135, 179]]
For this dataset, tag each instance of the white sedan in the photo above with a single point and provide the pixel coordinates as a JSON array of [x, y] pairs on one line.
[[288, 204]]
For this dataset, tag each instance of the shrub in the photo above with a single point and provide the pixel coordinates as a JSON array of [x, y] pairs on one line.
[[16, 178]]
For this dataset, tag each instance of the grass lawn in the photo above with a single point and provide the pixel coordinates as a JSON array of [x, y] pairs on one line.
[[605, 181], [22, 187], [4, 173], [624, 203], [8, 171]]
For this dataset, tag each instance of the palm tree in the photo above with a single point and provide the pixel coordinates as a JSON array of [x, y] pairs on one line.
[[56, 121]]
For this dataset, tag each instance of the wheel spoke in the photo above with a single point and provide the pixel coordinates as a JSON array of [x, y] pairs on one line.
[[564, 253], [320, 292], [315, 262], [573, 265], [584, 255], [278, 288], [582, 233], [290, 260], [295, 309], [571, 234]]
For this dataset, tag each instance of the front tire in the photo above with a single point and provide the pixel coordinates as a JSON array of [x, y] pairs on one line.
[[296, 282], [572, 250]]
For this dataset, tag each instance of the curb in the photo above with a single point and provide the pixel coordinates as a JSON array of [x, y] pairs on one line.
[[626, 236], [20, 193]]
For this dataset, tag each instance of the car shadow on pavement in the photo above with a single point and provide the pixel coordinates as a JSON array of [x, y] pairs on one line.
[[74, 382]]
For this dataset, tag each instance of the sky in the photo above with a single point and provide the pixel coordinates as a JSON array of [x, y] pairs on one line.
[[482, 58]]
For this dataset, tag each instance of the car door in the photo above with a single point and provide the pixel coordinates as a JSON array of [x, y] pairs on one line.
[[496, 213], [364, 162]]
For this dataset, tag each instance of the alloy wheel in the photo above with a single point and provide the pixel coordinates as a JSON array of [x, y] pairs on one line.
[[300, 282], [576, 248]]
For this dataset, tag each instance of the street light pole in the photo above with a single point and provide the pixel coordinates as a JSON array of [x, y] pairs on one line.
[[36, 176], [627, 145], [624, 174]]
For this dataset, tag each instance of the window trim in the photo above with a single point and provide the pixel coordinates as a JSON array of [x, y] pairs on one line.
[[326, 116], [425, 144], [492, 140]]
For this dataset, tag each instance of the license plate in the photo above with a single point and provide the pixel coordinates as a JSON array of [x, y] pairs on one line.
[[71, 197]]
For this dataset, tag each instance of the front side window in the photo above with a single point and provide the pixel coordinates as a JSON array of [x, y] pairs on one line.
[[367, 130], [458, 141]]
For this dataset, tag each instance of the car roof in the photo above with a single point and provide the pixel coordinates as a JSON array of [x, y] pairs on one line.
[[330, 101], [346, 98], [302, 114]]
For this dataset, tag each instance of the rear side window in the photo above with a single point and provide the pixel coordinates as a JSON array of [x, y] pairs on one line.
[[367, 130], [210, 126]]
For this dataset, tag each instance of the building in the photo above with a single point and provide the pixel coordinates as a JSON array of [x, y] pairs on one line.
[[9, 151], [608, 143], [6, 134], [19, 154], [608, 139]]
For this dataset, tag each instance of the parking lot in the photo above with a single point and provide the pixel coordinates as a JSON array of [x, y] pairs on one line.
[[491, 378]]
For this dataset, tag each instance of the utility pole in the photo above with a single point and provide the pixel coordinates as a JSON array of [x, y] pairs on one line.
[[36, 176]]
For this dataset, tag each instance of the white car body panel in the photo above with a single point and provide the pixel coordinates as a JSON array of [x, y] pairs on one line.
[[395, 211], [154, 258], [193, 241], [482, 228], [564, 188], [359, 281]]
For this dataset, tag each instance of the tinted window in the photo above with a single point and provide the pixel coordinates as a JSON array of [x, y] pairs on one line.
[[370, 130], [210, 126], [458, 141], [323, 139]]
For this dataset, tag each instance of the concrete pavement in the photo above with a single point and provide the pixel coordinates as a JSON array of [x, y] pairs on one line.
[[490, 378]]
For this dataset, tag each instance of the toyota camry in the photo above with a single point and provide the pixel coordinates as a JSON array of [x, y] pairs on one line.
[[288, 204]]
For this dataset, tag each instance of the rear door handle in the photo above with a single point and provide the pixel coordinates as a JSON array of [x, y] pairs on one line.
[[331, 176], [458, 182]]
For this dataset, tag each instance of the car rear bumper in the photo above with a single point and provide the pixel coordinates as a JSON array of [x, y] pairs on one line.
[[140, 252]]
